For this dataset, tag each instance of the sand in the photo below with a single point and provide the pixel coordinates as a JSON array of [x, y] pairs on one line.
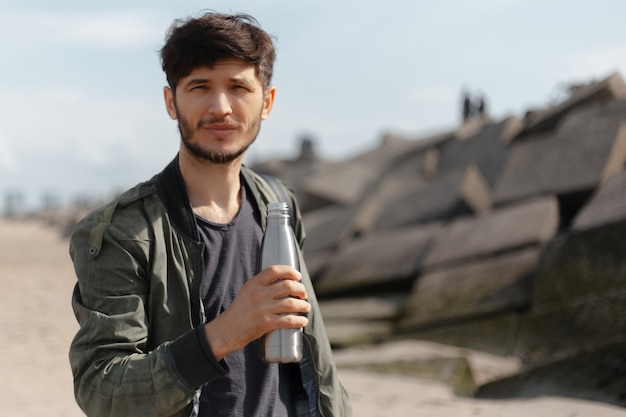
[[37, 325]]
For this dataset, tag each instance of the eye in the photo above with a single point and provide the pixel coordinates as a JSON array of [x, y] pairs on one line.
[[240, 87]]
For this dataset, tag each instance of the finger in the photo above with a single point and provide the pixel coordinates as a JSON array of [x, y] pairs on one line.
[[286, 288], [273, 273], [292, 306], [292, 321]]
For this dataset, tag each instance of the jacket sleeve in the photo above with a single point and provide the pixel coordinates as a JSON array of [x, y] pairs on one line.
[[116, 370]]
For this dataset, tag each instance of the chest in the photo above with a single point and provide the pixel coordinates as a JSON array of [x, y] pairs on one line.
[[230, 258]]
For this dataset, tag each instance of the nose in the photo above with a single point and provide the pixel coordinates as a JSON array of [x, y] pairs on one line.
[[219, 105]]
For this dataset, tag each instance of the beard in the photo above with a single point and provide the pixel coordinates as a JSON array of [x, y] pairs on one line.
[[216, 157]]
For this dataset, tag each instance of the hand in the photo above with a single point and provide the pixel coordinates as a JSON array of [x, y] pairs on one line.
[[274, 298]]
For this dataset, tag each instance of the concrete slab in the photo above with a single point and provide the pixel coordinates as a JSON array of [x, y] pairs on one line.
[[451, 194], [316, 262], [597, 376], [472, 289], [581, 265], [485, 149], [346, 334], [344, 182], [494, 334], [526, 224], [485, 367], [384, 306], [385, 260], [606, 90], [324, 227], [391, 188], [608, 205], [581, 325], [294, 173], [587, 147]]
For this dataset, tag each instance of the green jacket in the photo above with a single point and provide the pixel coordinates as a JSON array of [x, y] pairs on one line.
[[140, 349]]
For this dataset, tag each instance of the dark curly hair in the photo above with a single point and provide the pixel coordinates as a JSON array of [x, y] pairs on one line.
[[202, 41]]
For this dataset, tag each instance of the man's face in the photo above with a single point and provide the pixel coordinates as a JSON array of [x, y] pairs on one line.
[[219, 110]]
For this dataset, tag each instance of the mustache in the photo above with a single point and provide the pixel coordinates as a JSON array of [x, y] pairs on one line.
[[222, 122]]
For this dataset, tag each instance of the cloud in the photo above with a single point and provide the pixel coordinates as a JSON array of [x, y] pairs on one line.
[[97, 128], [119, 29]]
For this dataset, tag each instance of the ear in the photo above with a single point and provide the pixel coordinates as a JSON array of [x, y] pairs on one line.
[[268, 102], [170, 102]]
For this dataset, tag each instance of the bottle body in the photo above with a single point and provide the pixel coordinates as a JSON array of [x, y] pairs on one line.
[[279, 248]]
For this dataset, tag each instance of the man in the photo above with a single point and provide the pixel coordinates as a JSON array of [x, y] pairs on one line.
[[169, 301]]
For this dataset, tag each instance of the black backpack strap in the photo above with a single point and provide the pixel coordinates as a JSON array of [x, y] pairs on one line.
[[281, 193]]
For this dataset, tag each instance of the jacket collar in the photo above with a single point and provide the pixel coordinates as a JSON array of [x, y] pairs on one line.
[[172, 190]]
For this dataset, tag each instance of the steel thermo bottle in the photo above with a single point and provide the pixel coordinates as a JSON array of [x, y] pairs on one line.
[[279, 248]]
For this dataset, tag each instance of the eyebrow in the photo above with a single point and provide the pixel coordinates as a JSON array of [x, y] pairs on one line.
[[196, 81], [235, 79], [242, 80]]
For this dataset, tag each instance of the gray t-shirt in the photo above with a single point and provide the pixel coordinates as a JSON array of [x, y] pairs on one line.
[[252, 387]]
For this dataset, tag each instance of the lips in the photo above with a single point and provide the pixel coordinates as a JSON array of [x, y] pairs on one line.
[[219, 126], [219, 129]]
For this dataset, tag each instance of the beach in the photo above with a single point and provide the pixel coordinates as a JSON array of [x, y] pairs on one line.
[[37, 325]]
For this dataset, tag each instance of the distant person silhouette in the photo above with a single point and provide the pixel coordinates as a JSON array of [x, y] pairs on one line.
[[482, 106], [467, 106]]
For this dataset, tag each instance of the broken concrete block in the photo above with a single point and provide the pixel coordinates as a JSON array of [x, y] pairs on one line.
[[391, 188], [450, 194], [342, 183], [345, 182], [385, 260], [526, 224], [588, 146], [485, 150], [344, 334], [485, 367], [606, 90], [324, 227], [582, 264], [560, 331], [380, 307], [608, 205], [316, 262], [511, 129], [455, 372], [596, 376], [495, 333], [472, 289], [294, 173], [361, 320]]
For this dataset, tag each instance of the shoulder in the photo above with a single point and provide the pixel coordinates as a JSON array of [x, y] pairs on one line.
[[126, 218]]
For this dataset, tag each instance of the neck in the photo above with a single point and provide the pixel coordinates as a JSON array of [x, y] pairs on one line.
[[214, 190]]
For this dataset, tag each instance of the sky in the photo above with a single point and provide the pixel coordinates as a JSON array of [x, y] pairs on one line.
[[82, 113]]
